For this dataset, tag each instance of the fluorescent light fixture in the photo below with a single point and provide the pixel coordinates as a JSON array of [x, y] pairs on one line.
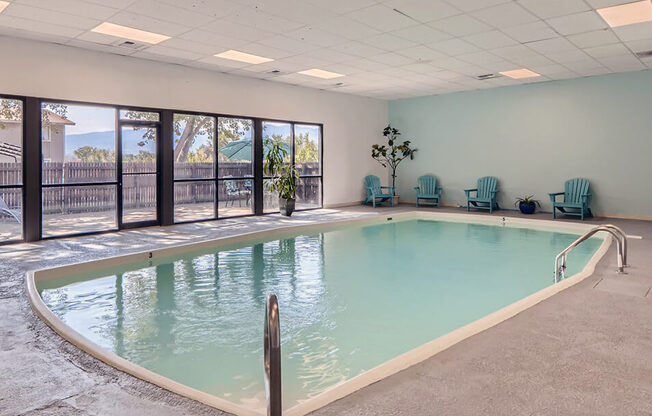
[[129, 33], [627, 14], [3, 5], [320, 73], [520, 73], [243, 57]]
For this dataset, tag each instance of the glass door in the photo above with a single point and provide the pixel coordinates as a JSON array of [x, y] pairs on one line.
[[139, 178]]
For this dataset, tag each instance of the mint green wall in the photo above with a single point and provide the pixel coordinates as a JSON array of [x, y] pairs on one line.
[[534, 137]]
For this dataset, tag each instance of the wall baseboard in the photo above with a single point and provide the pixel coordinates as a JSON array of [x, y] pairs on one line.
[[343, 204], [624, 217]]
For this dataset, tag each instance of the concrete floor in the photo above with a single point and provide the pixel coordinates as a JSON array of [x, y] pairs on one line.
[[585, 351]]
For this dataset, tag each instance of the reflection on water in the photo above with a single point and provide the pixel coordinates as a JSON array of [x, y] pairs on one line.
[[198, 318]]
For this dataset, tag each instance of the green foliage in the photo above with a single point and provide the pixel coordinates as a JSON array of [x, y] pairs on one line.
[[284, 176], [140, 157], [93, 154], [527, 200], [305, 149], [392, 154]]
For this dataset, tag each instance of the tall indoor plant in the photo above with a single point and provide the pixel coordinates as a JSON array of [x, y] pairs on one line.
[[392, 154], [284, 175]]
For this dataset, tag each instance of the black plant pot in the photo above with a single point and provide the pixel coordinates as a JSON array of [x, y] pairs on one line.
[[286, 206], [527, 208]]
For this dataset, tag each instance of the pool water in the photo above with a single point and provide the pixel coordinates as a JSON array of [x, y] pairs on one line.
[[350, 299]]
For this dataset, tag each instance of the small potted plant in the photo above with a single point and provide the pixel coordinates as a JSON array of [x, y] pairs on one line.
[[527, 204], [393, 153], [284, 175]]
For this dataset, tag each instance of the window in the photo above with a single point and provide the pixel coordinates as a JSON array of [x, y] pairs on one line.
[[78, 172], [303, 145], [194, 167], [11, 169], [235, 167]]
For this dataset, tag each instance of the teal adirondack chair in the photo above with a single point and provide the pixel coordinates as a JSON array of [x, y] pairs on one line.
[[485, 194], [576, 199], [375, 192], [428, 190]]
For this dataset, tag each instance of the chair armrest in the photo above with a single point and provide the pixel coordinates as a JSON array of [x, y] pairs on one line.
[[388, 187], [494, 192], [553, 197], [438, 190], [468, 191], [585, 197], [416, 190]]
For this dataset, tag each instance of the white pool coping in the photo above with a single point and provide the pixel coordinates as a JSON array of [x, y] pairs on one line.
[[344, 388]]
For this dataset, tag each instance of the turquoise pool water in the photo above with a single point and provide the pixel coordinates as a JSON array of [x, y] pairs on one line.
[[198, 318]]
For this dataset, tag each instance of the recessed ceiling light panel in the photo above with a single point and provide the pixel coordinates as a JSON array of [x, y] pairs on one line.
[[3, 5], [627, 14], [125, 32], [520, 73], [243, 57], [320, 73]]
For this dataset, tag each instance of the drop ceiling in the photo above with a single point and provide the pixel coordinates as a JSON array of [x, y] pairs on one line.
[[386, 49]]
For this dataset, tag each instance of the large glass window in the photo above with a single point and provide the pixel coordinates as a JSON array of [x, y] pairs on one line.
[[235, 167], [78, 172], [194, 167], [11, 169], [303, 145]]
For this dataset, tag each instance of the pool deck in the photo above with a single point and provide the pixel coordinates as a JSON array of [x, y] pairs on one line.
[[583, 351]]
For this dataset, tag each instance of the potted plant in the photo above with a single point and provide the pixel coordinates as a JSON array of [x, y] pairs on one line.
[[284, 175], [393, 153], [527, 204]]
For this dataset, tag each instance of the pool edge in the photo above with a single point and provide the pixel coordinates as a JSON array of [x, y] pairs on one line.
[[336, 392]]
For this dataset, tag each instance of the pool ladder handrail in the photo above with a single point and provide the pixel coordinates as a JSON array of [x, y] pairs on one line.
[[621, 240], [272, 358]]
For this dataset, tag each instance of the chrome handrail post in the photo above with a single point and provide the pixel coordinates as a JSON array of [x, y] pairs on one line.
[[272, 358]]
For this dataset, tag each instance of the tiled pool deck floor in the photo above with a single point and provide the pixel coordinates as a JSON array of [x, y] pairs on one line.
[[587, 350]]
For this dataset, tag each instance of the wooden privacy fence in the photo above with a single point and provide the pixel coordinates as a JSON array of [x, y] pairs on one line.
[[139, 187]]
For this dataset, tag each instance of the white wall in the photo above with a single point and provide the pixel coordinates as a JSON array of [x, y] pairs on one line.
[[534, 137], [351, 124]]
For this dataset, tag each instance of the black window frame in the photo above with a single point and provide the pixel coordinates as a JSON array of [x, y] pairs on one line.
[[32, 186]]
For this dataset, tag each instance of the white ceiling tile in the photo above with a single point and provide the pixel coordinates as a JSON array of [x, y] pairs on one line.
[[549, 69], [643, 45], [330, 55], [120, 4], [638, 31], [452, 64], [224, 64], [461, 25], [424, 10], [73, 7], [38, 27], [595, 38], [389, 42], [358, 49], [563, 75], [594, 71], [626, 62], [421, 53], [215, 39], [187, 45], [381, 17], [551, 45], [297, 10], [553, 8], [531, 32], [470, 5], [421, 68], [79, 43], [174, 53], [480, 58], [421, 34], [212, 8], [598, 4], [316, 36], [392, 59], [577, 23], [263, 21], [343, 6], [454, 47], [139, 21], [288, 44], [50, 16], [157, 10], [265, 51], [229, 29], [505, 15], [615, 49], [490, 40], [99, 38], [368, 65], [348, 28], [569, 55], [583, 65]]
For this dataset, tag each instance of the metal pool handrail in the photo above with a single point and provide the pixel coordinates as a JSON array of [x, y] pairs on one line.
[[621, 240], [272, 359]]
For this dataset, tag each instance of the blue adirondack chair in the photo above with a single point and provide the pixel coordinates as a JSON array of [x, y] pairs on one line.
[[375, 192], [428, 190], [485, 194], [576, 199]]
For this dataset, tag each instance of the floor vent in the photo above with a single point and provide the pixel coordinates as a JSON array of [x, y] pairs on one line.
[[644, 54], [487, 76]]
